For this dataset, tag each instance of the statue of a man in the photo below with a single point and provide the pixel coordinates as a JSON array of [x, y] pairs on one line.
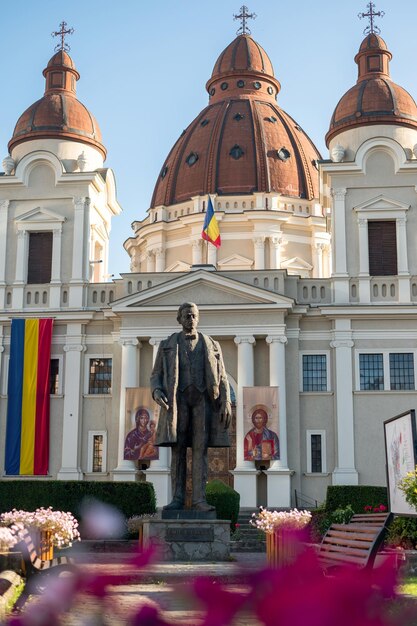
[[189, 383]]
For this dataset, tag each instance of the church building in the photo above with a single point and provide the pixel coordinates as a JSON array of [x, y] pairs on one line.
[[312, 292]]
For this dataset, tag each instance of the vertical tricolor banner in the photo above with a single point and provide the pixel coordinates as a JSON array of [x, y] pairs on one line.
[[211, 230], [27, 433]]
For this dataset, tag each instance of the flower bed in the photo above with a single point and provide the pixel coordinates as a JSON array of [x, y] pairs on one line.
[[62, 526], [7, 539]]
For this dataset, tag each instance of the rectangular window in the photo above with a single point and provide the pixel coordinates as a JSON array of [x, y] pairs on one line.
[[314, 372], [316, 460], [54, 377], [99, 379], [401, 370], [382, 242], [316, 452], [97, 451], [371, 370], [40, 258]]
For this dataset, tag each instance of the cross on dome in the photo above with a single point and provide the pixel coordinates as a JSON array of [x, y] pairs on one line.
[[243, 17], [372, 28], [61, 33]]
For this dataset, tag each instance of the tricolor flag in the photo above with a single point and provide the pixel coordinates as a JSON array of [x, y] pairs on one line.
[[211, 231], [27, 431]]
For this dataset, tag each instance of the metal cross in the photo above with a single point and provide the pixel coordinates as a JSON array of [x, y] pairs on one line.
[[371, 14], [61, 33], [243, 16]]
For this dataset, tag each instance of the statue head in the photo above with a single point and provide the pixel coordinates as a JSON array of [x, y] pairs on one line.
[[188, 316]]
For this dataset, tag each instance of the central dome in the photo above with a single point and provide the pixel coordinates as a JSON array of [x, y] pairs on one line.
[[242, 142]]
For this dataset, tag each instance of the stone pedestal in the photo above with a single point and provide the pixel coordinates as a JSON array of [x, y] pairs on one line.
[[189, 539]]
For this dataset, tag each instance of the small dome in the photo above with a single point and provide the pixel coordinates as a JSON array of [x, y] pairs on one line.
[[58, 114], [375, 99], [242, 142]]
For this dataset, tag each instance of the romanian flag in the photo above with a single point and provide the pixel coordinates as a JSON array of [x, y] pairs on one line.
[[211, 231], [27, 432]]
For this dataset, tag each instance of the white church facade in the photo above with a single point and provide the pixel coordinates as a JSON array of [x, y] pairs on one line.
[[313, 290]]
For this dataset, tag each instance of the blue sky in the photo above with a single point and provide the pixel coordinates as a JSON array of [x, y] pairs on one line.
[[144, 66]]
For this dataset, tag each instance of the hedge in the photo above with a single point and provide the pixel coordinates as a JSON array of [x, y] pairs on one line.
[[225, 499], [131, 498], [358, 496]]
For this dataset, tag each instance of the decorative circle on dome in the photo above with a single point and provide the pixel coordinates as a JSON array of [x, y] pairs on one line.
[[257, 84], [192, 158], [283, 154], [270, 90], [224, 86], [236, 152], [212, 91], [240, 83]]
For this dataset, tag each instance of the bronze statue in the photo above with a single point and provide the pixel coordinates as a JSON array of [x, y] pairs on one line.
[[189, 383]]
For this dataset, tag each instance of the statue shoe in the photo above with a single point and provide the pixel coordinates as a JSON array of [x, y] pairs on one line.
[[203, 506], [175, 505]]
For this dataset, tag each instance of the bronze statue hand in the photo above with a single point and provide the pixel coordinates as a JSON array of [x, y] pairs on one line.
[[226, 414], [161, 399]]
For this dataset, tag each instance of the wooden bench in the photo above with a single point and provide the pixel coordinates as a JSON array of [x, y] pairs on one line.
[[356, 542], [36, 570]]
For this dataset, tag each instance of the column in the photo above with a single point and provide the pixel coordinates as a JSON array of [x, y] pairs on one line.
[[275, 244], [159, 259], [211, 254], [245, 472], [364, 278], [1, 354], [159, 472], [345, 472], [197, 252], [4, 249], [72, 419], [79, 273], [21, 269], [55, 288], [278, 474], [327, 260], [126, 470], [259, 247], [150, 261], [317, 250], [404, 294], [340, 275]]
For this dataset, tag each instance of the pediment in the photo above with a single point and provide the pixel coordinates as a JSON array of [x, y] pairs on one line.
[[40, 215], [178, 266], [207, 289], [381, 203], [295, 263], [235, 262]]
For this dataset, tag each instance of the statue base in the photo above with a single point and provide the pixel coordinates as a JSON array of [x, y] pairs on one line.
[[189, 539], [187, 514]]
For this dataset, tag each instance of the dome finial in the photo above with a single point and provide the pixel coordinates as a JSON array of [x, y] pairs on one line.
[[371, 28], [61, 33], [243, 16]]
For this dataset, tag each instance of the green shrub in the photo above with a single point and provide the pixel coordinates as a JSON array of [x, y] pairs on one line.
[[322, 520], [402, 532], [225, 499], [357, 496], [130, 498]]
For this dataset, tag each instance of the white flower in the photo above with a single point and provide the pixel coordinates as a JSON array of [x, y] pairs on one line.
[[63, 526], [268, 521]]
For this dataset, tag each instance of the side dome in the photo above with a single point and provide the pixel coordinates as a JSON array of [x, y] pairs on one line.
[[58, 114], [375, 99], [242, 142]]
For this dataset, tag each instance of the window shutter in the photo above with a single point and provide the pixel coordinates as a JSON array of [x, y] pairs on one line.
[[382, 241], [40, 258]]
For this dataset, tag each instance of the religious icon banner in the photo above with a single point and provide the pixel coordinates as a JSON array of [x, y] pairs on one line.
[[260, 414], [141, 421]]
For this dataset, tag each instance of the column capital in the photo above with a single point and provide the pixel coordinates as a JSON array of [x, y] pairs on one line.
[[319, 245], [338, 192], [155, 341], [259, 242], [158, 252], [276, 339], [342, 343], [277, 240], [363, 222], [4, 205], [75, 347], [21, 233], [130, 341], [245, 339], [401, 221], [196, 243], [81, 202]]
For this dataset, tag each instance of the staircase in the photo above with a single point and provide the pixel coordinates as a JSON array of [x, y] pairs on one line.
[[248, 538]]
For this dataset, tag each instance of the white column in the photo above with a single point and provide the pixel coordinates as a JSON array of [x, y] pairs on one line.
[[159, 471], [327, 261], [339, 261], [55, 288], [245, 472], [4, 249], [278, 474], [21, 269], [345, 472], [73, 393], [126, 470], [364, 278], [159, 259], [404, 292], [80, 248], [275, 252], [1, 353], [197, 252], [317, 250], [211, 255], [150, 261], [259, 248]]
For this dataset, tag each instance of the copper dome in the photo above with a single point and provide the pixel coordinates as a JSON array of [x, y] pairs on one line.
[[375, 99], [242, 142], [58, 115]]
